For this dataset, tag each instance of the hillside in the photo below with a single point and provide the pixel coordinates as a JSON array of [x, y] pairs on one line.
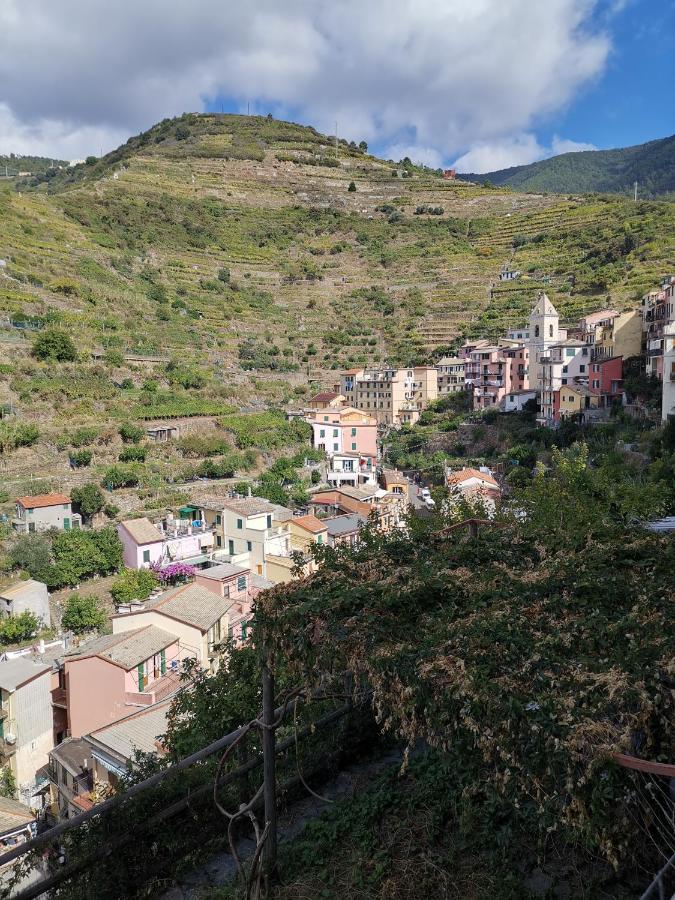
[[652, 165], [14, 165], [219, 263]]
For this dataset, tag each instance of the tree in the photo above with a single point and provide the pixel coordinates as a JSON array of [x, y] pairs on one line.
[[7, 783], [15, 629], [91, 160], [315, 477], [130, 433], [54, 344], [83, 613], [89, 498], [352, 187], [363, 146], [32, 553], [133, 584]]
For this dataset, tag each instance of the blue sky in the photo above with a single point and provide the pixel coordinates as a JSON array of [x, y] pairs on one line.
[[480, 83]]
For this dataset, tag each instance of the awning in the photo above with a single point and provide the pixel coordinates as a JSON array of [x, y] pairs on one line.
[[196, 560], [116, 769], [185, 512]]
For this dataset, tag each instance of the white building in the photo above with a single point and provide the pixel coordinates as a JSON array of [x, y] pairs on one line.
[[668, 401], [516, 401], [544, 333], [352, 469], [26, 596]]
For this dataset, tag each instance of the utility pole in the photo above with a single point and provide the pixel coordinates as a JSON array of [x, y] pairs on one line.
[[336, 141], [635, 194], [248, 108]]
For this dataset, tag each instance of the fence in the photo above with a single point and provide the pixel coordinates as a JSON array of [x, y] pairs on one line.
[[81, 854]]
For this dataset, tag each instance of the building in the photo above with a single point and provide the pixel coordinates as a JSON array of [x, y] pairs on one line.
[[474, 484], [162, 433], [195, 615], [233, 583], [392, 396], [304, 531], [132, 667], [344, 529], [565, 363], [520, 334], [44, 511], [394, 482], [668, 370], [493, 372], [516, 400], [26, 596], [70, 781], [606, 376], [326, 400], [609, 333], [351, 469], [17, 823], [468, 347], [580, 400], [171, 540], [343, 430], [508, 274], [247, 525], [26, 724], [450, 375], [658, 311], [545, 332]]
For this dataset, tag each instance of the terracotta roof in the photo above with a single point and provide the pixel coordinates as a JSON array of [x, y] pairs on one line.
[[341, 501], [353, 372], [326, 397], [39, 501], [309, 523], [466, 474], [142, 531], [13, 815], [128, 648]]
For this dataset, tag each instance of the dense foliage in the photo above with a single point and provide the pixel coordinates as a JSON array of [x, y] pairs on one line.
[[65, 558], [83, 613], [133, 584]]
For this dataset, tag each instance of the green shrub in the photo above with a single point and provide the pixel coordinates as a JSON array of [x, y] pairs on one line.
[[80, 458], [89, 499], [114, 357], [84, 436], [14, 436], [120, 477], [54, 344], [131, 434], [83, 613], [133, 584], [133, 453], [15, 629]]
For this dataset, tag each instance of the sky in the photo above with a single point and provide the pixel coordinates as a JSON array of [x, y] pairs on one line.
[[478, 84]]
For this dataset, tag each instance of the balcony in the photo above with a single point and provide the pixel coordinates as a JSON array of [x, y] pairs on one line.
[[7, 748], [59, 697], [157, 690]]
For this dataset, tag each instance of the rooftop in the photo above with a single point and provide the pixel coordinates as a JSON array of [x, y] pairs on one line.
[[139, 731], [324, 397], [142, 531], [257, 581], [73, 754], [450, 361], [466, 474], [39, 501], [309, 523], [21, 587], [223, 571], [248, 506], [600, 316], [191, 603], [13, 815], [339, 525], [127, 649], [19, 671]]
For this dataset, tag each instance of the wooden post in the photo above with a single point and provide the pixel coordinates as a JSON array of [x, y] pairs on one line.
[[473, 528], [269, 771]]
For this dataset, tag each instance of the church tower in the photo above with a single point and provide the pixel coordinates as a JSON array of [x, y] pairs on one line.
[[544, 321]]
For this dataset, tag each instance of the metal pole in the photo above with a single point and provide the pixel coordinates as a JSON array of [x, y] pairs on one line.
[[269, 770]]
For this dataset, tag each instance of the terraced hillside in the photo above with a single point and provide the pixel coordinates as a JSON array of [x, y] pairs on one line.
[[261, 258]]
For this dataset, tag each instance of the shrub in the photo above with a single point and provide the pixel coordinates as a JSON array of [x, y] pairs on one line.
[[83, 613], [111, 510], [14, 436], [54, 344], [80, 458], [114, 357], [133, 584], [131, 434], [32, 553], [81, 437], [119, 477], [89, 498], [224, 275], [315, 476], [14, 629], [352, 187], [133, 453]]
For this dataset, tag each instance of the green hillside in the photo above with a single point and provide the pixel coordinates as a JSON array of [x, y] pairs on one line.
[[652, 165], [12, 165]]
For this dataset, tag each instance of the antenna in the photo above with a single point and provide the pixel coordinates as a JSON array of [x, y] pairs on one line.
[[635, 194], [248, 108]]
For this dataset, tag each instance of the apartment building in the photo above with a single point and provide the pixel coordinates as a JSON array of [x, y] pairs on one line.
[[450, 375], [493, 372], [392, 396], [668, 398], [351, 469], [146, 544], [345, 429], [41, 512], [610, 333], [236, 584], [567, 362], [26, 723], [658, 312]]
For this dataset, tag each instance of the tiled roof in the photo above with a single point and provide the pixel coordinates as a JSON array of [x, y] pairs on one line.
[[309, 523], [39, 501], [127, 649], [226, 570], [139, 731], [22, 587], [450, 361], [338, 525], [193, 604], [352, 372], [19, 671], [600, 316], [13, 815], [142, 531], [248, 506], [361, 494], [325, 397], [466, 474]]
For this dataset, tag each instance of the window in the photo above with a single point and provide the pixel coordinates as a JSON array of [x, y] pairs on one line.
[[146, 556], [219, 541], [244, 630], [230, 547], [219, 519], [550, 330], [249, 546], [335, 432], [536, 331], [241, 583], [582, 368], [335, 447], [353, 432], [319, 539], [65, 506], [322, 432], [240, 524], [325, 418], [353, 446]]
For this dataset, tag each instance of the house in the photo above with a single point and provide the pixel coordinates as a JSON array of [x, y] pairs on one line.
[[304, 531], [606, 376], [609, 333], [392, 396], [579, 400], [493, 372], [17, 823], [233, 583], [171, 540], [474, 484], [520, 334], [351, 468], [41, 512], [247, 525], [668, 396], [450, 375], [343, 430], [70, 782], [344, 529], [508, 274], [194, 614], [26, 596], [658, 311], [326, 400], [450, 174], [567, 362], [26, 731], [394, 482], [163, 432], [516, 400]]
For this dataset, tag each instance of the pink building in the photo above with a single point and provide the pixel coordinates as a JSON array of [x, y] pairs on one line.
[[106, 677], [493, 372], [145, 544], [233, 583], [344, 430]]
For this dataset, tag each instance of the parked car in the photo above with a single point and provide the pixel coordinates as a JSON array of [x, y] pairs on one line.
[[430, 503]]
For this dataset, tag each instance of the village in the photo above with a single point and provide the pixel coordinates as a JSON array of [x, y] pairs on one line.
[[75, 709]]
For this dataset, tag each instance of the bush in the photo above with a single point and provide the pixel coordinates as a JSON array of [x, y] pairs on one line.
[[131, 434], [133, 584], [352, 187], [133, 453], [80, 458], [15, 629], [81, 437], [54, 344], [120, 477], [14, 436], [32, 554], [89, 498], [114, 357], [83, 613], [224, 275], [315, 477], [78, 555]]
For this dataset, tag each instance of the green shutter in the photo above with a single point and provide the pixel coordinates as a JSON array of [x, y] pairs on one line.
[[162, 661], [141, 678]]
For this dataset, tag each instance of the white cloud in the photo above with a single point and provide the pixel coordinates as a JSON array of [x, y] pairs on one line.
[[438, 75], [426, 156], [520, 150]]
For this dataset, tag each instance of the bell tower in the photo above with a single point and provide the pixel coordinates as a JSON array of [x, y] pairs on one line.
[[544, 322]]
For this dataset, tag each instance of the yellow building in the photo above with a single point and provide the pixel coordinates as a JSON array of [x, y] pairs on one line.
[[620, 335], [304, 532], [575, 399]]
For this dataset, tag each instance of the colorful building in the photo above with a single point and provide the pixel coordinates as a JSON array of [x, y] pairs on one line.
[[392, 396], [145, 544], [343, 430], [41, 512], [450, 375]]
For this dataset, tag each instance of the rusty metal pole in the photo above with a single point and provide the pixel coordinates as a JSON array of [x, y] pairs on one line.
[[269, 770]]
